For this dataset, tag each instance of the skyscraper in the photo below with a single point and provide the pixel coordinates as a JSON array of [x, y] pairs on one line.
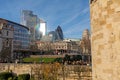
[[53, 35], [43, 28], [59, 33], [32, 22]]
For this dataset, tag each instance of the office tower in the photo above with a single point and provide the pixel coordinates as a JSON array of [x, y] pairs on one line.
[[32, 22], [53, 35], [43, 28], [59, 33]]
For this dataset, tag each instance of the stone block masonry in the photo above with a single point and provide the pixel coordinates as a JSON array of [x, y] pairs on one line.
[[105, 29], [71, 71]]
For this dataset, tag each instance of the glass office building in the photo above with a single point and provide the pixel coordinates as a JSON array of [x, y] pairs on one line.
[[43, 27], [21, 37], [32, 22]]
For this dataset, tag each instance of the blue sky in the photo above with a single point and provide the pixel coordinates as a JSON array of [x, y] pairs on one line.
[[71, 15]]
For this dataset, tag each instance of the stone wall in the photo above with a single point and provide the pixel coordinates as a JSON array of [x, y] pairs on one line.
[[16, 68], [70, 71], [105, 29]]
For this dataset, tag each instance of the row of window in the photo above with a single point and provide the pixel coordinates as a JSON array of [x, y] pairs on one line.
[[21, 36], [21, 45], [21, 39], [20, 31]]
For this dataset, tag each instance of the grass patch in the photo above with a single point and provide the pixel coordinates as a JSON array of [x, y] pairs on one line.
[[45, 60]]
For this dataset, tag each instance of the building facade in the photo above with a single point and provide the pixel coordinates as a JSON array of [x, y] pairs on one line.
[[86, 34], [52, 36], [105, 29], [59, 33], [43, 27], [21, 39], [59, 47], [6, 41], [33, 23], [85, 43], [21, 36]]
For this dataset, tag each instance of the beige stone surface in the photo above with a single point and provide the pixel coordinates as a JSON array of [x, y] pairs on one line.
[[105, 29], [34, 69]]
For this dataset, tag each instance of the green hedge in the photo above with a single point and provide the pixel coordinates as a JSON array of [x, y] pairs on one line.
[[10, 76], [5, 75], [24, 77], [15, 78], [58, 60]]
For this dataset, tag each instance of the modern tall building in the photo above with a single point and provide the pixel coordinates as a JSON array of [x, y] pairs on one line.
[[59, 33], [53, 35], [33, 23], [43, 28]]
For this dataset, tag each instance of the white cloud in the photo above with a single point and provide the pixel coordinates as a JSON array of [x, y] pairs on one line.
[[77, 29], [78, 13]]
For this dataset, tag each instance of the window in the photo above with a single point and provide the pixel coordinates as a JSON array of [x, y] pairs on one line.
[[7, 33], [7, 43]]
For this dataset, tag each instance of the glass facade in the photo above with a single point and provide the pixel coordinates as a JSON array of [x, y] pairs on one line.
[[43, 28], [33, 23], [21, 38], [59, 33]]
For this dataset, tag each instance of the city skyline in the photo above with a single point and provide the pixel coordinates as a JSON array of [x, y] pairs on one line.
[[73, 17]]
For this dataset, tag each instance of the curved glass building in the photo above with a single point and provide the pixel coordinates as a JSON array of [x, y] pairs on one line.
[[59, 33], [21, 37]]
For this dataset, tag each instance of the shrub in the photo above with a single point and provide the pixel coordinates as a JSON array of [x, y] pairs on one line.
[[32, 78], [15, 78], [10, 78], [5, 75], [24, 77], [58, 60]]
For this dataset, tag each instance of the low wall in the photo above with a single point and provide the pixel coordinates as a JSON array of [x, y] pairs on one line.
[[31, 69], [16, 68]]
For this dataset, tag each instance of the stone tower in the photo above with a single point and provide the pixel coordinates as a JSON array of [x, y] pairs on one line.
[[105, 30], [86, 34]]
